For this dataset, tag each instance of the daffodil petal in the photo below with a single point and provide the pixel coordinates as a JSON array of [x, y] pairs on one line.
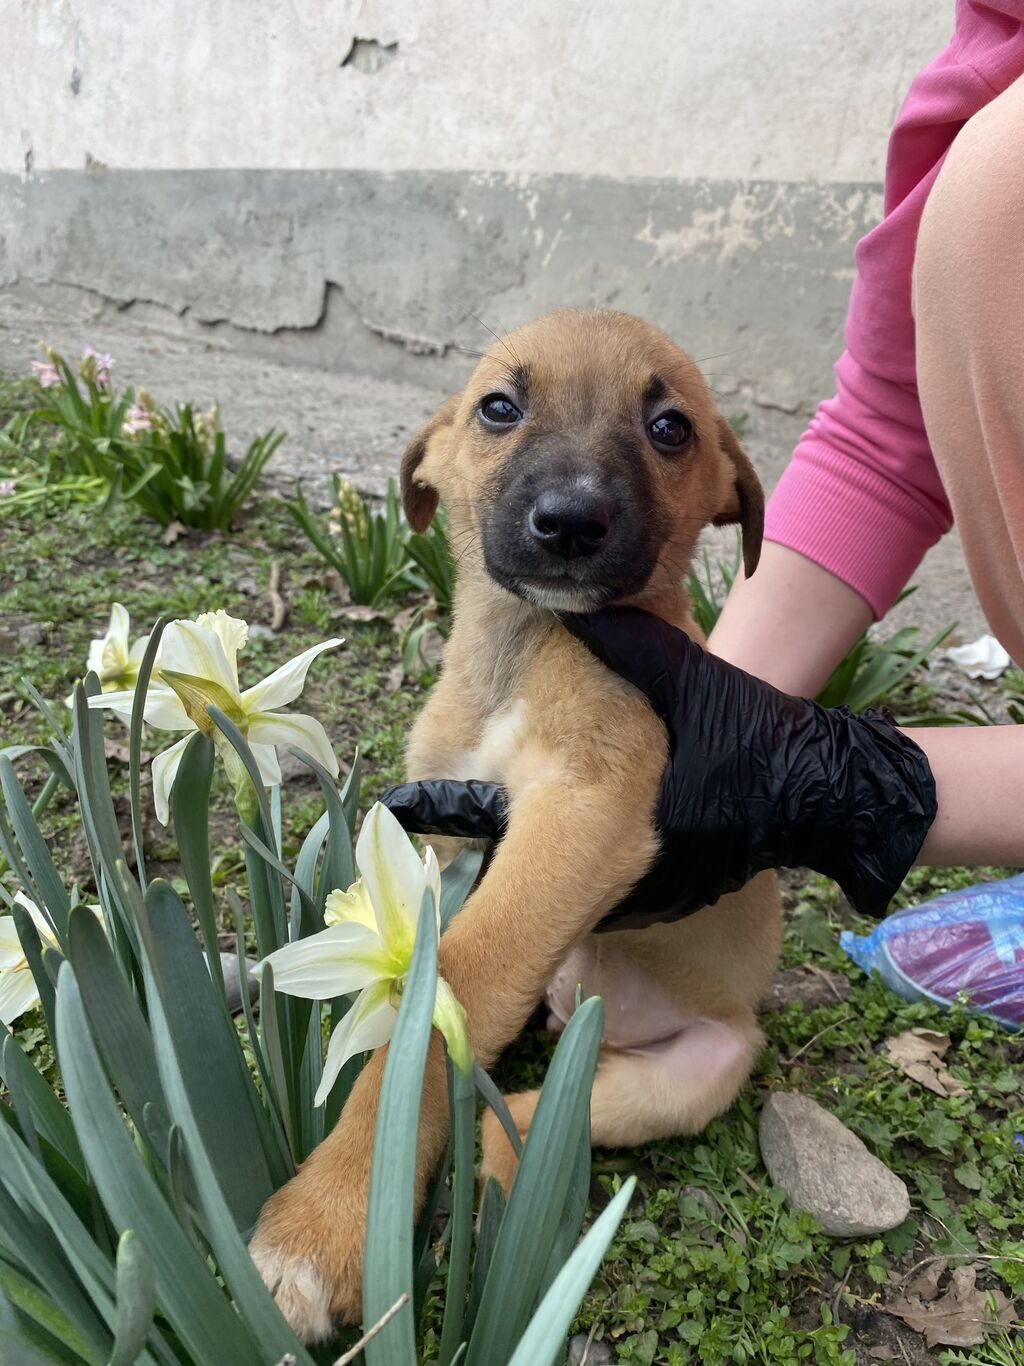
[[193, 650], [284, 684], [292, 728], [94, 659], [109, 652], [432, 871], [165, 770], [17, 994], [163, 710], [395, 878], [115, 646], [232, 632], [336, 962], [137, 651], [450, 1019], [12, 955], [43, 927], [266, 762], [369, 1023], [353, 907]]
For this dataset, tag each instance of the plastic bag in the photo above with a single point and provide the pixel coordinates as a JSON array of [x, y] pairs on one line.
[[970, 941]]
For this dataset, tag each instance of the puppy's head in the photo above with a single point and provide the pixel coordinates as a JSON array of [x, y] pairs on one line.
[[581, 462]]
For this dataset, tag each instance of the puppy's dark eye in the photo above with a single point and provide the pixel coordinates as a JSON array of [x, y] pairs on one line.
[[670, 431], [499, 411]]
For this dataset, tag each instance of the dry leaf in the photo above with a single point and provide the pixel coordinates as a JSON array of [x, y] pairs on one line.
[[432, 647], [961, 1317], [881, 1354], [402, 620], [918, 1053], [360, 611], [121, 753], [173, 532], [394, 678], [926, 1286], [278, 606]]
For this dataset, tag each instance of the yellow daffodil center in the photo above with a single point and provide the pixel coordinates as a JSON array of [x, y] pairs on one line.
[[197, 695]]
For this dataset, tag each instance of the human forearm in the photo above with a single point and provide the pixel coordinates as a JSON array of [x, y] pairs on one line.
[[979, 783], [791, 623]]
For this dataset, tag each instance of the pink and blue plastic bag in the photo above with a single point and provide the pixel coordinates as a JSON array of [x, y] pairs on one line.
[[969, 942]]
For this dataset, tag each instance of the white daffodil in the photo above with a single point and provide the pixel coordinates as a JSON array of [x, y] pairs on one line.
[[112, 658], [17, 985], [199, 669], [367, 948]]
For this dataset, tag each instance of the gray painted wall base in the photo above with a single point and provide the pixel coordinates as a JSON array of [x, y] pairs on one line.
[[384, 272], [340, 305]]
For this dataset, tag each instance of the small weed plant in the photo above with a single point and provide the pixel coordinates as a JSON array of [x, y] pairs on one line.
[[366, 548], [171, 463]]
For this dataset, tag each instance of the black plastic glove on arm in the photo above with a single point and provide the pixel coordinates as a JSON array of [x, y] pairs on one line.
[[755, 779]]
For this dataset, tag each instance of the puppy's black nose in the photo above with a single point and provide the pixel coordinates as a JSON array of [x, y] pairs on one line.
[[570, 522]]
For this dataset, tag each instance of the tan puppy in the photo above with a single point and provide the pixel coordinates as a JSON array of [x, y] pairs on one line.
[[577, 467]]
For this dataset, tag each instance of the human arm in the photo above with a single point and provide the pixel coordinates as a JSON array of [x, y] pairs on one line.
[[791, 623]]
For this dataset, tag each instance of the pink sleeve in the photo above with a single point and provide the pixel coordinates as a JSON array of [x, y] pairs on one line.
[[861, 496]]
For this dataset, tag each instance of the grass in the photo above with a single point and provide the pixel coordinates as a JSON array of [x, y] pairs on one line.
[[763, 1280], [709, 1265]]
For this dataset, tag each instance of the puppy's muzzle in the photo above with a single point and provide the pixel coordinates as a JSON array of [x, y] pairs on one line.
[[571, 523]]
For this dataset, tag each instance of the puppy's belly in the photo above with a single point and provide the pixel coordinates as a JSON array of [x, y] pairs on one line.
[[639, 1012]]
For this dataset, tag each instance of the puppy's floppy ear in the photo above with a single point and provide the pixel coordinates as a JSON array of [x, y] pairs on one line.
[[419, 498], [746, 504]]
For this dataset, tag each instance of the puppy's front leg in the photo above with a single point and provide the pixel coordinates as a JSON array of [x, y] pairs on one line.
[[569, 855]]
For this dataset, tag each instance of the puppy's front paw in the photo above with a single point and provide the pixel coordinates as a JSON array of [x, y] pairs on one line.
[[298, 1287], [310, 1254]]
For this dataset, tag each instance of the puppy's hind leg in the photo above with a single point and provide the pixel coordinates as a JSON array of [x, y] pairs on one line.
[[673, 1087], [676, 1086]]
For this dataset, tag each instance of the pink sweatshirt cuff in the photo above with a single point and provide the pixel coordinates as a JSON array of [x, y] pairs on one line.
[[852, 520]]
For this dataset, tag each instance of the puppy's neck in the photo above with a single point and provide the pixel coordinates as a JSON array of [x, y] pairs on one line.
[[493, 641], [495, 636]]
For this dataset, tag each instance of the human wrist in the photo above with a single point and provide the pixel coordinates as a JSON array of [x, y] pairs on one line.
[[877, 804]]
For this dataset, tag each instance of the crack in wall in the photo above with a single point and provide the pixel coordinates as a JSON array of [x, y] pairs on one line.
[[369, 56]]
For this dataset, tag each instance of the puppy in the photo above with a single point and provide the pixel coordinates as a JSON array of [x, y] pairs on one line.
[[577, 467]]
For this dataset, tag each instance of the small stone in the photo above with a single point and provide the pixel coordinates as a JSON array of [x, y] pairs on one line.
[[292, 767], [704, 1199], [600, 1354], [232, 981], [827, 1171], [32, 633]]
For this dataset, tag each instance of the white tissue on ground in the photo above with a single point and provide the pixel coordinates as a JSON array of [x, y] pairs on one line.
[[983, 658]]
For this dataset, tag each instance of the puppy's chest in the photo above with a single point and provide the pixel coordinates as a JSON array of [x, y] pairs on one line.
[[500, 739], [508, 751]]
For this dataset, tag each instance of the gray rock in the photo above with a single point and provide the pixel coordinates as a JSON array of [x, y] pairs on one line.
[[704, 1199], [600, 1354], [827, 1171], [33, 633], [233, 980]]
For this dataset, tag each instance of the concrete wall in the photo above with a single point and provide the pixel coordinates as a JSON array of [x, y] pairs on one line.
[[357, 183]]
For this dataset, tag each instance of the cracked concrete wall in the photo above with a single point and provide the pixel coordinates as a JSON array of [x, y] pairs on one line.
[[358, 183]]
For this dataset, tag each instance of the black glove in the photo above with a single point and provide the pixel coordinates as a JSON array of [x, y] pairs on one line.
[[755, 779], [443, 806]]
